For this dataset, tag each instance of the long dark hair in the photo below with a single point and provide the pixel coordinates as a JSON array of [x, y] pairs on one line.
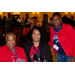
[[42, 32]]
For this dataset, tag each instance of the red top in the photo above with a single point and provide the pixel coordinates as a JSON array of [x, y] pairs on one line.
[[66, 38], [32, 52], [7, 56]]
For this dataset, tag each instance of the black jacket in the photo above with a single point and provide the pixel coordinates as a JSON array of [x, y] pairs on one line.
[[44, 51], [28, 25]]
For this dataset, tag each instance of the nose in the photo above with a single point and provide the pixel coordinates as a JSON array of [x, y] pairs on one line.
[[36, 35], [11, 41]]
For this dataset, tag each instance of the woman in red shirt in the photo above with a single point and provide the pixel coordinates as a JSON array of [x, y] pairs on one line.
[[37, 50], [62, 39], [10, 52]]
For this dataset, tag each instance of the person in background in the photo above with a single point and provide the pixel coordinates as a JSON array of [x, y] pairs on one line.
[[16, 24], [46, 27], [0, 22], [36, 19], [8, 24], [36, 50], [71, 21], [62, 39], [27, 25], [22, 24], [3, 23], [51, 24], [45, 23], [22, 21], [27, 21], [10, 52], [31, 23], [19, 19], [65, 19]]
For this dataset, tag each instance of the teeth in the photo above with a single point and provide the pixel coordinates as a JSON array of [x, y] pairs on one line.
[[11, 44]]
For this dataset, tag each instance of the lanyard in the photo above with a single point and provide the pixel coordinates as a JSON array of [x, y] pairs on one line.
[[36, 51], [14, 53], [57, 33]]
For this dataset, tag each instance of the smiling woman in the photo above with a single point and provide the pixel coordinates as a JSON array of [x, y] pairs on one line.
[[11, 41], [10, 52], [36, 36], [57, 20], [62, 39], [37, 50]]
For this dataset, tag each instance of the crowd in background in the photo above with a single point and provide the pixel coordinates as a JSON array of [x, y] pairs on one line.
[[22, 26], [15, 21]]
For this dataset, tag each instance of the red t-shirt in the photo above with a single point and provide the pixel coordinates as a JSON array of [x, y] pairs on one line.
[[6, 54], [32, 52]]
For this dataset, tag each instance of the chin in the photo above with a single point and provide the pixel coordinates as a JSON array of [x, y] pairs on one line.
[[11, 47], [56, 25], [36, 40]]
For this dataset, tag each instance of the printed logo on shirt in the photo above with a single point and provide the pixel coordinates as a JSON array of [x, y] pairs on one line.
[[56, 38], [17, 60]]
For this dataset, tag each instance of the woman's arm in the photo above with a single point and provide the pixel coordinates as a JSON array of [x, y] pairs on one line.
[[72, 37]]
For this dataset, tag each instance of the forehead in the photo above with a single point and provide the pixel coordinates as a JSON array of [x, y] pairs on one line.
[[10, 35], [36, 30], [56, 16]]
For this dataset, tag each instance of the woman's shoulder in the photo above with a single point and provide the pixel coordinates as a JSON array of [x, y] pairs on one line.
[[17, 47], [3, 47], [4, 50], [28, 45], [67, 26]]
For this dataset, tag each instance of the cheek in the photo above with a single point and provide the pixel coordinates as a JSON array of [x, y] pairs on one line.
[[59, 21], [8, 42], [14, 42], [33, 36], [39, 37]]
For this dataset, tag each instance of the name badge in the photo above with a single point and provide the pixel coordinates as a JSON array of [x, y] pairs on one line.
[[55, 47]]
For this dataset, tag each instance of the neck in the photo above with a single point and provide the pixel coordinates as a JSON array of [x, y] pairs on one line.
[[36, 43], [13, 49]]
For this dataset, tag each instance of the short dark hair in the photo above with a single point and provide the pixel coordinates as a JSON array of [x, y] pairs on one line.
[[45, 15], [27, 15], [9, 15], [56, 13]]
